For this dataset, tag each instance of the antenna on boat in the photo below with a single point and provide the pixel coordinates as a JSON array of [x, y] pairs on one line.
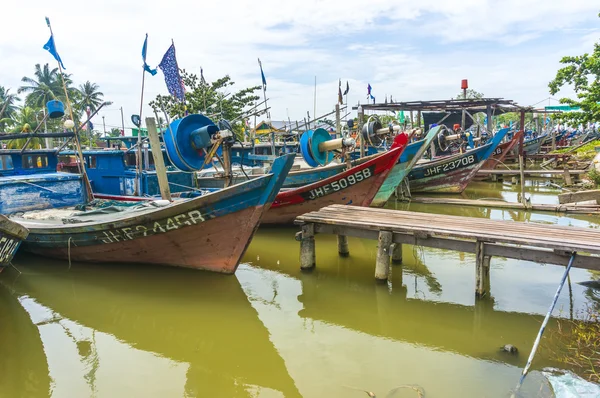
[[51, 47]]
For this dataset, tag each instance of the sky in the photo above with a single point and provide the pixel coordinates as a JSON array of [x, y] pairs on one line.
[[410, 50]]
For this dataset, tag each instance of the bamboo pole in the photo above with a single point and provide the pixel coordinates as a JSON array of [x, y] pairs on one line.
[[81, 165], [159, 161], [138, 152]]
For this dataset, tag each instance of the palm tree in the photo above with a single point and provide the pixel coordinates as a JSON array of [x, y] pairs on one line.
[[7, 107], [90, 96], [43, 87], [7, 102], [25, 121]]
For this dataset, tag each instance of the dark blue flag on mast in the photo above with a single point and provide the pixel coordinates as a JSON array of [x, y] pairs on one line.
[[144, 49], [262, 74], [171, 71], [51, 47]]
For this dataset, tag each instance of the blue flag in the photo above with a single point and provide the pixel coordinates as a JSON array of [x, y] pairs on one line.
[[146, 67], [52, 49], [262, 74], [171, 71]]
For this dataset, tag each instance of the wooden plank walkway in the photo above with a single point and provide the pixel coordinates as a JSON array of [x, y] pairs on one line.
[[486, 238]]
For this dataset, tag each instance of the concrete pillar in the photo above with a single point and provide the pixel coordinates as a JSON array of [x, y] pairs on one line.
[[396, 253], [343, 245], [482, 271], [307, 247], [382, 266]]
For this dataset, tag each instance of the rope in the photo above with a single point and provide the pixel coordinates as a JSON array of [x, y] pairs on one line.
[[69, 251]]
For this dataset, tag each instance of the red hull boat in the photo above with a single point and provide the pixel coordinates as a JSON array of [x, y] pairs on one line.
[[356, 186]]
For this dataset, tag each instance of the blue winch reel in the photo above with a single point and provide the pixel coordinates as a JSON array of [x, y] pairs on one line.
[[309, 146], [185, 138], [55, 108]]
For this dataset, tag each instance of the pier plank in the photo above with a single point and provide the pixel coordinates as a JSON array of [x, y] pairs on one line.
[[434, 225]]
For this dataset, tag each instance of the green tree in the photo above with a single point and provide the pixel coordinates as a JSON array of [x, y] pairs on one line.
[[90, 95], [7, 102], [583, 73], [211, 99], [47, 85], [7, 108], [25, 121], [471, 94]]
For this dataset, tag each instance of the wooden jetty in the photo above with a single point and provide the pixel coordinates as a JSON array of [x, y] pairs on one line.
[[542, 243]]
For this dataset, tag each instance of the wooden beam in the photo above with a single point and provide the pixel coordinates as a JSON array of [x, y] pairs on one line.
[[491, 249], [159, 161], [580, 196]]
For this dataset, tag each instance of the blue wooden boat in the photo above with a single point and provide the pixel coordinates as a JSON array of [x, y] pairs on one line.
[[533, 145], [209, 232], [453, 173], [11, 236], [113, 172], [29, 180]]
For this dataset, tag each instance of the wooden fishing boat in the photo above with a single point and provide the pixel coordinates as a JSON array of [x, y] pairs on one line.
[[533, 145], [295, 179], [408, 159], [502, 151], [29, 181], [452, 174], [210, 232], [355, 186], [11, 236]]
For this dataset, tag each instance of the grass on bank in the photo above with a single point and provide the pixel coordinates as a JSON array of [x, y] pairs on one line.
[[585, 152]]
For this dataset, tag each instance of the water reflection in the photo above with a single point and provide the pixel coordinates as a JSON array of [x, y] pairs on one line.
[[23, 365], [117, 323], [273, 331]]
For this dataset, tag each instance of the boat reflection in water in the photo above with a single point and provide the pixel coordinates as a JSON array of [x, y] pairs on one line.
[[271, 330], [23, 365], [117, 331]]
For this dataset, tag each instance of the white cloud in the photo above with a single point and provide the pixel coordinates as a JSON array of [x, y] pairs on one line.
[[412, 50]]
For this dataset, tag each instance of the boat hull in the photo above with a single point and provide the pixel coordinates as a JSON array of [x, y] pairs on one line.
[[210, 232], [11, 236], [356, 186], [215, 245], [452, 174]]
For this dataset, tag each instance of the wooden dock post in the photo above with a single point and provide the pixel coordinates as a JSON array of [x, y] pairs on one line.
[[308, 258], [396, 253], [382, 266], [567, 176], [159, 161], [482, 271], [343, 245]]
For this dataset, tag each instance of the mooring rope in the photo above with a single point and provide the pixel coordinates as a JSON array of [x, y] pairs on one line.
[[69, 251], [543, 327]]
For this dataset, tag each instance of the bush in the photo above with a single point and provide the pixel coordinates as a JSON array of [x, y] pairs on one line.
[[594, 176], [576, 344]]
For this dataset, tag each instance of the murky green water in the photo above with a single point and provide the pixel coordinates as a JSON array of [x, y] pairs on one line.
[[272, 330]]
